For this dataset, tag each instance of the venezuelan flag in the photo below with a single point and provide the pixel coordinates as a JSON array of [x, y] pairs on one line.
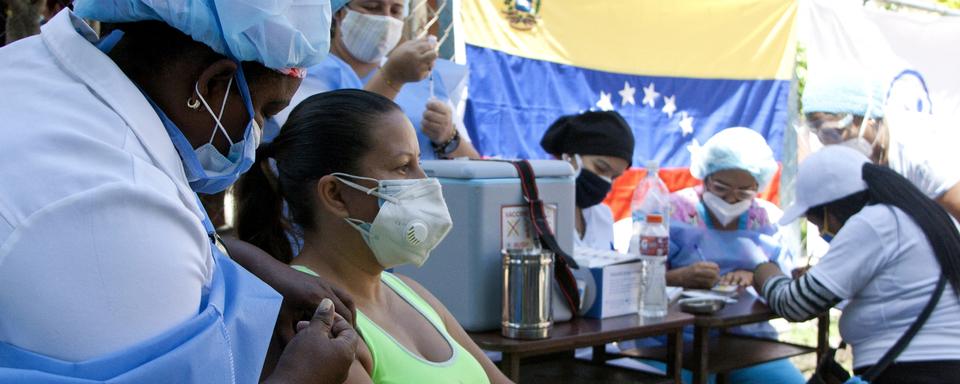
[[677, 71]]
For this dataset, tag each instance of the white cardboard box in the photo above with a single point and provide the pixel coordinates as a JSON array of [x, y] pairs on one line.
[[618, 290], [615, 286]]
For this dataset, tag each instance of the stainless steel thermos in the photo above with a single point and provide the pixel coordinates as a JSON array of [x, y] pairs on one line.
[[527, 285]]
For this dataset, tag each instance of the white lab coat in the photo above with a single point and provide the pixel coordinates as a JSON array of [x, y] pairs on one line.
[[921, 150], [101, 241], [598, 233]]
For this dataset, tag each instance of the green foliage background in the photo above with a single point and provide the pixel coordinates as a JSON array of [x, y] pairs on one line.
[[955, 4]]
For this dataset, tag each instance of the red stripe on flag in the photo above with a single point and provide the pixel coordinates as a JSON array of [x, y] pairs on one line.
[[676, 179]]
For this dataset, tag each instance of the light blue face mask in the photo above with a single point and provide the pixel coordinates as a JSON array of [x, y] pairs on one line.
[[212, 160], [208, 170], [825, 233], [826, 237]]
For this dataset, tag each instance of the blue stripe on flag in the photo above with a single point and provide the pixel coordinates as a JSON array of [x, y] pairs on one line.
[[512, 100]]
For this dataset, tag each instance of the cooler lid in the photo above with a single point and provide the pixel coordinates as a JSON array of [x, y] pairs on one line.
[[486, 169]]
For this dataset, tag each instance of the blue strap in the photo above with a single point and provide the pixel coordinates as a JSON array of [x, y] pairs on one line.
[[107, 43], [216, 245], [207, 224]]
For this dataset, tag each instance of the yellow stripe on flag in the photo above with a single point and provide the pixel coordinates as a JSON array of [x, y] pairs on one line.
[[725, 39]]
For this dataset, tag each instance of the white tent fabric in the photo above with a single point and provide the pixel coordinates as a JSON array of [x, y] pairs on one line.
[[883, 43]]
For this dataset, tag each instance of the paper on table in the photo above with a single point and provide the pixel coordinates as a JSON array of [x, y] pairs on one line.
[[598, 258], [700, 294], [753, 292], [673, 293]]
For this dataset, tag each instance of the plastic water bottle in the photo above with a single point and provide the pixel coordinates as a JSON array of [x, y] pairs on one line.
[[651, 234], [654, 245], [650, 198]]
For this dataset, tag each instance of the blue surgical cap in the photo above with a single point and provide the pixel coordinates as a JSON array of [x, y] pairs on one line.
[[734, 148], [838, 88], [279, 34]]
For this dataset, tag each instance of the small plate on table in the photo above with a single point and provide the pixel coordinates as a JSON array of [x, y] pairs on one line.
[[701, 305]]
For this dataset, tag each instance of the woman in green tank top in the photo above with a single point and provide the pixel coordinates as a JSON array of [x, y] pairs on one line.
[[347, 196]]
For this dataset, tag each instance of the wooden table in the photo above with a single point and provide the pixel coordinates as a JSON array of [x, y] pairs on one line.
[[728, 352], [567, 369], [582, 332]]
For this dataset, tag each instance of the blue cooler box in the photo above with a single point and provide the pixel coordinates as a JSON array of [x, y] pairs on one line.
[[489, 214]]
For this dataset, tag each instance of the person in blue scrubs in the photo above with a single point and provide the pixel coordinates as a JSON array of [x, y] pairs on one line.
[[110, 271], [406, 75], [721, 231]]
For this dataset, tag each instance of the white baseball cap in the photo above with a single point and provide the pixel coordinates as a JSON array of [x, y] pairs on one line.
[[829, 174]]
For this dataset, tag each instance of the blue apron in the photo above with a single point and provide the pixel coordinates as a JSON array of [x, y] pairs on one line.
[[741, 249], [731, 250], [225, 343]]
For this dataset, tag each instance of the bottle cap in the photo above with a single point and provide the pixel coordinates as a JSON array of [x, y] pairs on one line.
[[654, 219], [652, 165]]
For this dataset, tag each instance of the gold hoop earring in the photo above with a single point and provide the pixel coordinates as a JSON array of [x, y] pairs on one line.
[[193, 104]]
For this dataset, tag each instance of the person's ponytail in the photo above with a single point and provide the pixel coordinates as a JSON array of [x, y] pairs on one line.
[[260, 219], [326, 133], [888, 187]]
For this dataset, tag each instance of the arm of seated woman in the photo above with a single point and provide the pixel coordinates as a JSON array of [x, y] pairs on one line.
[[795, 299], [457, 332], [360, 372], [362, 369]]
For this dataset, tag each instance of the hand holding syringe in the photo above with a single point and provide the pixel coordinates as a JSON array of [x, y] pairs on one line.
[[411, 61], [432, 40]]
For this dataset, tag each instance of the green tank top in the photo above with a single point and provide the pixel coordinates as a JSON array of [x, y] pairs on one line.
[[394, 363]]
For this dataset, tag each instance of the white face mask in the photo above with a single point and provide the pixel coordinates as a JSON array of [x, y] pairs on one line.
[[413, 219], [214, 162], [859, 144], [369, 37], [723, 211]]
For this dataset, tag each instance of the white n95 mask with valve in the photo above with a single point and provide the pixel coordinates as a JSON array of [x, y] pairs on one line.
[[413, 219]]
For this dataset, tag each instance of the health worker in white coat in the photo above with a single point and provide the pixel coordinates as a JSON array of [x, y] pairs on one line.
[[109, 268], [599, 146], [889, 119]]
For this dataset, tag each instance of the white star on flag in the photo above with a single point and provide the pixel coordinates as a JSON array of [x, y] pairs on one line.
[[626, 94], [686, 124], [650, 96], [604, 103], [670, 105]]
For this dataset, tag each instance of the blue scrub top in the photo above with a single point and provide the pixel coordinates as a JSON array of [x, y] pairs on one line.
[[413, 99], [333, 73]]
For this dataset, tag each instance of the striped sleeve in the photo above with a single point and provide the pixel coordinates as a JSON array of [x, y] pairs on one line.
[[798, 300]]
